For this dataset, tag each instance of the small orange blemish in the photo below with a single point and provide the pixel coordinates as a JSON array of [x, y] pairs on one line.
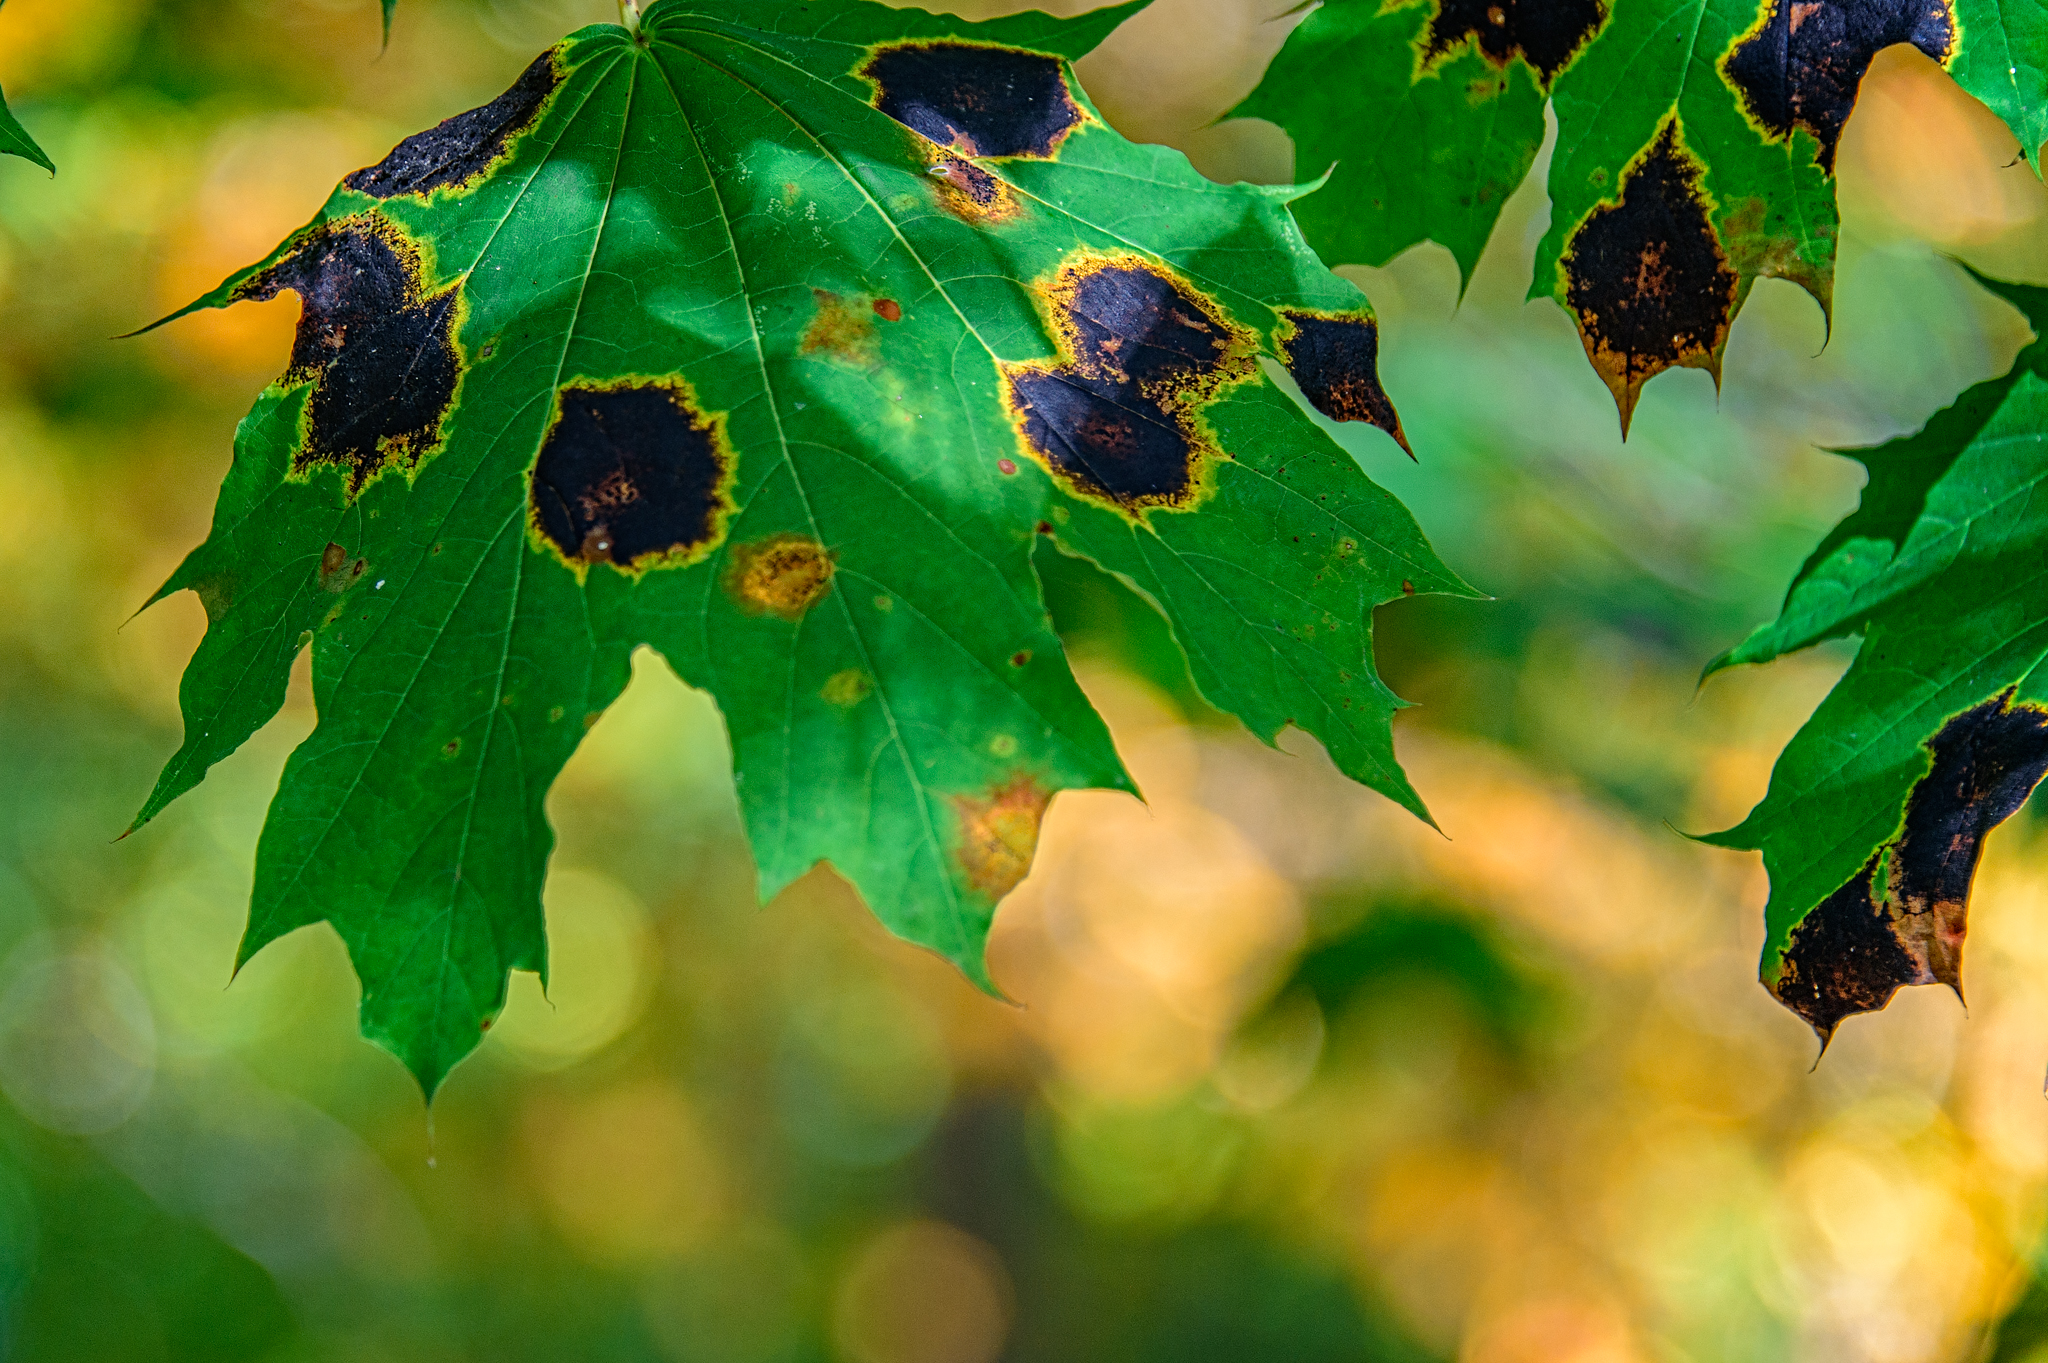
[[783, 575], [888, 309], [1006, 465], [840, 331], [999, 835]]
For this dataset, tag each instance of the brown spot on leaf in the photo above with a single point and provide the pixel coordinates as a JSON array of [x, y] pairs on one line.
[[999, 834], [1802, 63], [1336, 362], [460, 149], [1901, 919], [888, 309], [1646, 277], [1547, 33], [632, 475], [1119, 420], [783, 575], [979, 100], [379, 353], [841, 331]]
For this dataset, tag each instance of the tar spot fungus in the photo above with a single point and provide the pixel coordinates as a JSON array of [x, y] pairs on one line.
[[998, 834], [1646, 277], [1119, 421], [783, 575], [1802, 63], [846, 689], [462, 148], [380, 355], [632, 475], [980, 100], [1547, 33], [970, 193], [1901, 919], [841, 331], [1336, 363]]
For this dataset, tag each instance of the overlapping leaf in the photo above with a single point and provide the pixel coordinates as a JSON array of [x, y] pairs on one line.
[[14, 139], [1695, 151], [772, 338], [1878, 808]]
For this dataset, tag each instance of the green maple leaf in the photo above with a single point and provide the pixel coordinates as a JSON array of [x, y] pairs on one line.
[[1878, 807], [773, 342], [1695, 150]]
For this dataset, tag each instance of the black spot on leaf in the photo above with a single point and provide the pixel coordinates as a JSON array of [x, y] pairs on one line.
[[458, 149], [380, 355], [969, 192], [984, 101], [1801, 66], [632, 474], [1547, 33], [1901, 920], [1647, 278], [1119, 421], [1336, 363]]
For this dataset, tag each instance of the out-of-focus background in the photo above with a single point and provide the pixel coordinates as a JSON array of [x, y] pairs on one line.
[[1293, 1077]]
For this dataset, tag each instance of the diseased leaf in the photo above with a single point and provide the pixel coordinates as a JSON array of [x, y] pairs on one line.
[[773, 339], [1695, 150], [1879, 806]]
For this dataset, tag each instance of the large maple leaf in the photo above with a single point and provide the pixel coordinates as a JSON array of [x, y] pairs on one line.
[[774, 339], [1695, 147], [1879, 806]]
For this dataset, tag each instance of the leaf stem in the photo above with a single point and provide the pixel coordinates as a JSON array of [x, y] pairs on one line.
[[629, 15]]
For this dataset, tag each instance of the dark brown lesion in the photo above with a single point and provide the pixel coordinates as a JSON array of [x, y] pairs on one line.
[[977, 99], [1646, 277], [1335, 361], [379, 351], [1802, 64], [634, 475], [1902, 918], [1545, 33], [1120, 420], [460, 149]]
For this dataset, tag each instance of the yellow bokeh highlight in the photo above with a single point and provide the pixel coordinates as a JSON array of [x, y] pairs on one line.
[[601, 962]]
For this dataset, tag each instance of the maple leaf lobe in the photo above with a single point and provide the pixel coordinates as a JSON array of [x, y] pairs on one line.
[[379, 353], [1335, 362], [1646, 276], [1547, 33], [630, 474], [460, 150], [1802, 64], [1901, 919], [1118, 422], [979, 99]]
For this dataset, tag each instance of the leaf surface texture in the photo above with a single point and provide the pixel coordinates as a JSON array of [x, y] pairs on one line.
[[773, 340]]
